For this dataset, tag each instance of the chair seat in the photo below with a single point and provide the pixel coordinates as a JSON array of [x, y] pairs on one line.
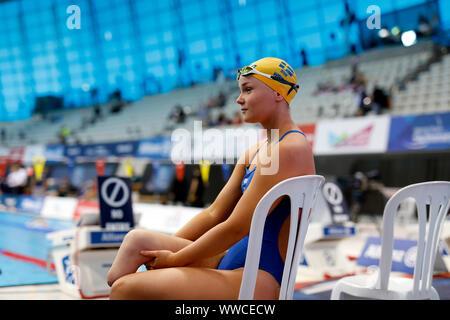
[[363, 286], [383, 284]]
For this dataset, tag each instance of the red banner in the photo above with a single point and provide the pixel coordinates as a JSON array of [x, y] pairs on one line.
[[309, 130], [3, 166], [179, 167], [16, 155], [100, 164], [85, 206]]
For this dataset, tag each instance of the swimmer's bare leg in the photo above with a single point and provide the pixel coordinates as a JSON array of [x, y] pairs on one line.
[[188, 283], [129, 259]]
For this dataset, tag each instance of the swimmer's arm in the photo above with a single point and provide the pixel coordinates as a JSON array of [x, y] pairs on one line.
[[220, 209], [237, 226], [217, 212]]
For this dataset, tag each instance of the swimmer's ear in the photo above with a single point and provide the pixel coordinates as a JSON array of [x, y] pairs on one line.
[[278, 96]]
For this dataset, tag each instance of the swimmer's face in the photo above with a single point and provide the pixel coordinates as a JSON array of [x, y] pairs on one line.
[[256, 99]]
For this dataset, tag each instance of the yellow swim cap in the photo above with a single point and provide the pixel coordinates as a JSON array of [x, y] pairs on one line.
[[277, 74]]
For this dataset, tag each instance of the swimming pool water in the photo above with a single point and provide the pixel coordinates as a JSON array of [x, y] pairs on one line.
[[20, 236]]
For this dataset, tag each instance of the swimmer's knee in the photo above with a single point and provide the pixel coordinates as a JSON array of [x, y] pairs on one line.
[[111, 278], [137, 236], [133, 235], [120, 290]]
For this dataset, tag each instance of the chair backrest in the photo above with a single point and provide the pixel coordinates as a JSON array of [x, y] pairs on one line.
[[436, 195], [302, 192]]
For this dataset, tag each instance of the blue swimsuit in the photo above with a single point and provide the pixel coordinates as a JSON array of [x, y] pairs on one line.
[[271, 260]]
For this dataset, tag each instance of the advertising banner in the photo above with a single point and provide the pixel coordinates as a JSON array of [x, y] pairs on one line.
[[350, 136], [119, 149], [164, 218], [154, 148], [403, 254], [16, 155], [59, 208], [86, 206], [4, 152], [54, 153], [30, 204], [420, 132], [310, 131], [103, 150], [32, 151]]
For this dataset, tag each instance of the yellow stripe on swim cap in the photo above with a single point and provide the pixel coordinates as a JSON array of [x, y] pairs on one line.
[[274, 66]]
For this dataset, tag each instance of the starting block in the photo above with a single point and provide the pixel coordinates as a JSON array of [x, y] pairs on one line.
[[84, 255]]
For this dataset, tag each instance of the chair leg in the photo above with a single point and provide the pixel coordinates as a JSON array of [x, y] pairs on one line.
[[336, 294], [434, 294]]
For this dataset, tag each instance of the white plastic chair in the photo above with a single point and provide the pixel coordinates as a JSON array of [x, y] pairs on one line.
[[302, 192], [381, 285]]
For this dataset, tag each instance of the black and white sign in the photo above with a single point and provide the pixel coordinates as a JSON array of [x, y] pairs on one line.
[[116, 211], [334, 197]]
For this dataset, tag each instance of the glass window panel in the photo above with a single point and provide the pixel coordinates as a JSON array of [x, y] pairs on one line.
[[248, 34], [312, 41], [268, 10], [248, 15], [165, 19], [303, 5], [212, 8], [191, 11], [197, 47], [444, 7], [333, 12], [217, 43], [401, 4], [362, 6], [214, 26], [270, 29], [194, 29], [150, 40], [10, 8], [153, 56], [249, 54], [170, 53], [305, 20]]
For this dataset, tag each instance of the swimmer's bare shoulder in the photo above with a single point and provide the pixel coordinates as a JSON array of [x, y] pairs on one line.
[[296, 156]]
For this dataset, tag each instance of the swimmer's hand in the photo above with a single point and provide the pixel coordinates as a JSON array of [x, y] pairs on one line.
[[159, 259]]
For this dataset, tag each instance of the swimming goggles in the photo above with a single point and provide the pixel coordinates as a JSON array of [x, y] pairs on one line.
[[250, 70]]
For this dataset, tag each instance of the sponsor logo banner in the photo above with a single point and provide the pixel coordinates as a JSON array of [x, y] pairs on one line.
[[338, 231], [154, 148], [84, 206], [4, 152], [30, 204], [54, 153], [103, 150], [107, 237], [59, 208], [16, 154], [32, 151], [9, 201], [403, 254], [309, 130], [420, 132], [164, 218], [355, 135]]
